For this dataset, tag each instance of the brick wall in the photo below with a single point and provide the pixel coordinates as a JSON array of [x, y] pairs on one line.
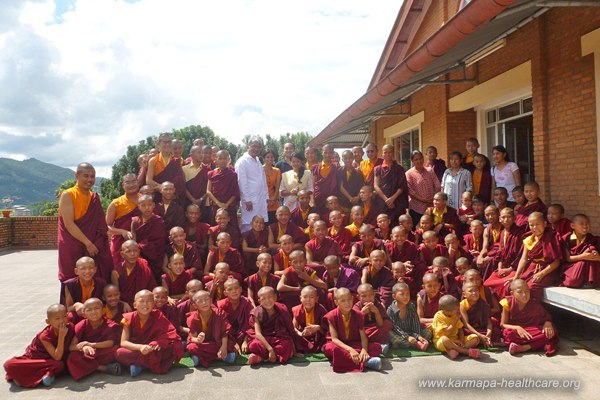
[[34, 232]]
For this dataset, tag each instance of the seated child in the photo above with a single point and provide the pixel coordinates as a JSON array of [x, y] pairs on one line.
[[45, 357], [445, 218], [236, 309], [114, 306], [581, 266], [370, 205], [281, 259], [271, 332], [285, 227], [338, 276], [308, 322], [406, 327], [216, 287], [255, 242], [148, 231], [361, 250], [187, 306], [518, 194], [454, 250], [321, 246], [177, 277], [299, 215], [466, 208], [526, 323], [95, 342], [348, 347], [441, 268], [224, 225], [333, 204], [534, 204], [406, 222], [491, 238], [227, 254], [161, 302], [401, 249], [169, 209], [430, 249], [462, 266], [84, 286], [338, 232], [383, 230], [474, 276], [263, 277], [399, 273], [501, 199], [477, 316], [428, 299], [558, 222], [133, 274], [295, 277], [377, 322], [379, 276], [425, 225], [357, 217], [309, 232], [189, 251], [196, 231], [448, 335], [478, 211], [474, 240], [148, 340], [209, 330]]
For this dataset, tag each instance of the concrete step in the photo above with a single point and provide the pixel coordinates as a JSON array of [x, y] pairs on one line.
[[584, 302]]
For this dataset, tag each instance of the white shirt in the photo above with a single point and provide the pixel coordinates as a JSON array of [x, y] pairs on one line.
[[504, 177], [253, 187]]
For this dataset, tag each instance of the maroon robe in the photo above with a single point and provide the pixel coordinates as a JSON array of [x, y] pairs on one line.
[[217, 328], [371, 177], [471, 244], [391, 178], [30, 368], [296, 216], [238, 318], [348, 278], [291, 299], [485, 186], [183, 308], [379, 334], [525, 211], [150, 237], [430, 306], [156, 331], [224, 185], [197, 185], [191, 257], [234, 233], [174, 216], [216, 291], [74, 287], [479, 315], [174, 174], [576, 274], [327, 247], [531, 318], [81, 365], [449, 217], [323, 186], [234, 259], [493, 245], [93, 225], [198, 234], [469, 166], [563, 227], [141, 277], [172, 314], [509, 252], [385, 236], [438, 167], [277, 329], [409, 252], [254, 240], [309, 344], [298, 235], [546, 250], [428, 255], [176, 285], [344, 239], [382, 283], [341, 360], [117, 241], [375, 208], [255, 283], [362, 252], [352, 184], [118, 316]]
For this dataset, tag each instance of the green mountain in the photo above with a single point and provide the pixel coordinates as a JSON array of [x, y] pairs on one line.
[[31, 180]]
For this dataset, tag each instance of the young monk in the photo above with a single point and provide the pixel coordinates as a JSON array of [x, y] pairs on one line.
[[196, 231], [462, 266], [324, 179], [482, 178], [377, 321], [223, 189], [236, 309], [501, 199], [406, 327], [357, 217], [383, 230], [209, 330], [333, 204], [216, 287], [428, 299], [361, 250], [308, 322], [299, 215], [491, 238], [177, 277], [518, 194], [114, 306], [119, 214], [45, 357], [406, 222], [169, 209], [558, 222], [309, 231], [133, 274], [472, 147], [281, 259], [164, 167], [255, 242], [441, 268], [179, 245], [285, 227], [340, 234], [399, 273], [542, 254], [350, 181], [84, 286], [432, 163], [474, 239], [148, 340], [321, 246], [379, 276], [527, 325], [448, 335], [348, 347], [425, 225], [295, 277], [224, 224], [431, 248], [148, 231], [477, 315], [95, 342], [445, 218], [370, 205], [581, 266], [161, 302], [338, 276], [227, 254], [271, 333], [187, 306], [263, 277], [531, 191], [454, 250]]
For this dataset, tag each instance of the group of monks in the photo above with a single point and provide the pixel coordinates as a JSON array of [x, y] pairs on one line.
[[348, 272]]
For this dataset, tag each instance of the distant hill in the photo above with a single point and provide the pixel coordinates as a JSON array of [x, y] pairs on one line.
[[31, 180]]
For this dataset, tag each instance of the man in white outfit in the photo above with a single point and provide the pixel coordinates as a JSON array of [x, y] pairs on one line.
[[253, 185]]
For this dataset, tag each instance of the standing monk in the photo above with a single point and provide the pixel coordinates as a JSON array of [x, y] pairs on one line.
[[164, 167], [367, 167], [357, 155], [119, 214], [350, 181], [223, 190], [82, 229], [285, 165], [253, 185], [325, 179], [390, 184], [196, 177]]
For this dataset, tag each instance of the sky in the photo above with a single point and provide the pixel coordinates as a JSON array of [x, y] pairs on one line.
[[83, 79]]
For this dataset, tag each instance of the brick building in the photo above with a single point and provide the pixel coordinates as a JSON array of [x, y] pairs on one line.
[[524, 74]]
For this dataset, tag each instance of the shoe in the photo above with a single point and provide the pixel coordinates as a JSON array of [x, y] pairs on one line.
[[114, 369], [48, 380], [229, 358], [423, 345], [254, 359], [135, 370], [373, 363], [453, 354], [474, 353], [385, 349], [514, 349], [195, 360]]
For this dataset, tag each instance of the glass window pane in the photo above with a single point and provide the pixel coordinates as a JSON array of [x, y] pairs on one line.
[[491, 116], [405, 150], [415, 140], [511, 110], [491, 139], [528, 105]]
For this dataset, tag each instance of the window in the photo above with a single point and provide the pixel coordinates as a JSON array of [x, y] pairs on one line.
[[406, 143]]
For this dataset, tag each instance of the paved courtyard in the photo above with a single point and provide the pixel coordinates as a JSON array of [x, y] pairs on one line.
[[30, 284]]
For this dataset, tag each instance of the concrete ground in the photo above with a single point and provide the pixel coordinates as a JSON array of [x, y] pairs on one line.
[[29, 285]]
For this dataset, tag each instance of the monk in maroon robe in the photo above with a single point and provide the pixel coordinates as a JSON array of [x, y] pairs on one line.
[[581, 267], [196, 177], [253, 239], [165, 168], [390, 184], [223, 188], [400, 248], [75, 288], [119, 214], [321, 246], [236, 309], [232, 257], [350, 181], [534, 204], [377, 321], [189, 250], [196, 231], [367, 167], [133, 274], [309, 343], [176, 284], [449, 222], [149, 233], [325, 179], [299, 216], [277, 230], [379, 276], [256, 282]]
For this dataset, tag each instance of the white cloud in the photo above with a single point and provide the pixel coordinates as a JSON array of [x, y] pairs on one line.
[[105, 74]]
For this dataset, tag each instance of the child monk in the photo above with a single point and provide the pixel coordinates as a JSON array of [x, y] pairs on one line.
[[161, 302], [119, 214], [477, 315], [441, 268], [187, 306], [177, 277], [581, 266], [133, 274], [263, 277], [333, 204], [428, 299], [285, 227], [236, 309], [406, 327], [114, 307], [425, 225], [223, 189], [216, 287], [448, 335], [148, 231], [531, 191], [209, 330], [308, 322], [255, 242], [518, 194], [482, 178], [309, 231], [491, 238], [348, 347], [169, 209], [281, 259], [431, 248], [299, 215], [406, 222], [227, 254], [401, 249], [527, 325], [558, 222], [376, 320], [350, 181], [338, 276], [95, 342], [370, 205], [361, 250], [338, 232], [445, 218], [542, 254], [400, 274], [474, 239], [271, 333], [84, 286], [45, 357], [179, 245], [462, 266], [474, 276], [501, 199], [383, 230], [148, 340], [224, 224], [295, 277], [454, 250], [379, 276], [196, 231], [321, 246], [357, 218]]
